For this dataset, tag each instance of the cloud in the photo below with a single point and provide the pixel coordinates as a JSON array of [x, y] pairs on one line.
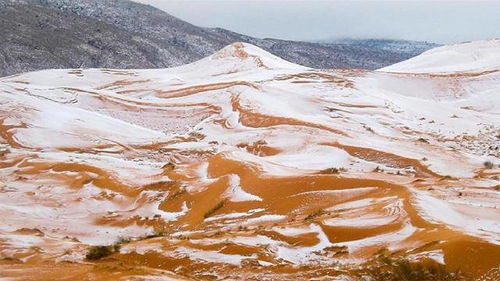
[[441, 21]]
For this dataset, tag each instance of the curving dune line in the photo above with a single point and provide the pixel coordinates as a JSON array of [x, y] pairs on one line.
[[201, 88], [258, 120]]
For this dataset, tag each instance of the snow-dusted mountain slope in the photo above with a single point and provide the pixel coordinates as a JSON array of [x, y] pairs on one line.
[[474, 56], [128, 34], [243, 164]]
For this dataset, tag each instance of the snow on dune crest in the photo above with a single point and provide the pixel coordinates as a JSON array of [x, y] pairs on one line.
[[466, 57], [239, 57], [245, 51]]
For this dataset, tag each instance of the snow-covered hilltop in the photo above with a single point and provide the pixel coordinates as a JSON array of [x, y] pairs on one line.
[[243, 164], [474, 56]]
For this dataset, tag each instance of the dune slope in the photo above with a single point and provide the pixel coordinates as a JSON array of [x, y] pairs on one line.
[[243, 164]]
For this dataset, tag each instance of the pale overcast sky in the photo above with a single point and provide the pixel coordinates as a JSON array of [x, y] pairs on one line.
[[443, 21]]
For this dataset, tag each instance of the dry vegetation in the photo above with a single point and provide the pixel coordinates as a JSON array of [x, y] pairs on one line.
[[394, 269], [214, 209]]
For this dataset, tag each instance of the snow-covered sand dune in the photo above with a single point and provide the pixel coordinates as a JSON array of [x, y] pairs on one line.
[[243, 163], [476, 56]]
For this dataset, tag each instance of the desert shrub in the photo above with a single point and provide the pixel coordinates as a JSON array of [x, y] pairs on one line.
[[314, 214], [390, 269], [260, 142], [123, 240], [488, 165], [214, 209], [368, 129], [153, 235], [99, 252], [332, 170]]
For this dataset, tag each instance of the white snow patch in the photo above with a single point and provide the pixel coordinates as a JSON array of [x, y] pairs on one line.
[[235, 193]]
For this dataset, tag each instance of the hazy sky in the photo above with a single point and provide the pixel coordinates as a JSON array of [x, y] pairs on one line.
[[442, 21]]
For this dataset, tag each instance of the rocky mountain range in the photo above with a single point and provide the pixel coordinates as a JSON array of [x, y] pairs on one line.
[[43, 34]]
